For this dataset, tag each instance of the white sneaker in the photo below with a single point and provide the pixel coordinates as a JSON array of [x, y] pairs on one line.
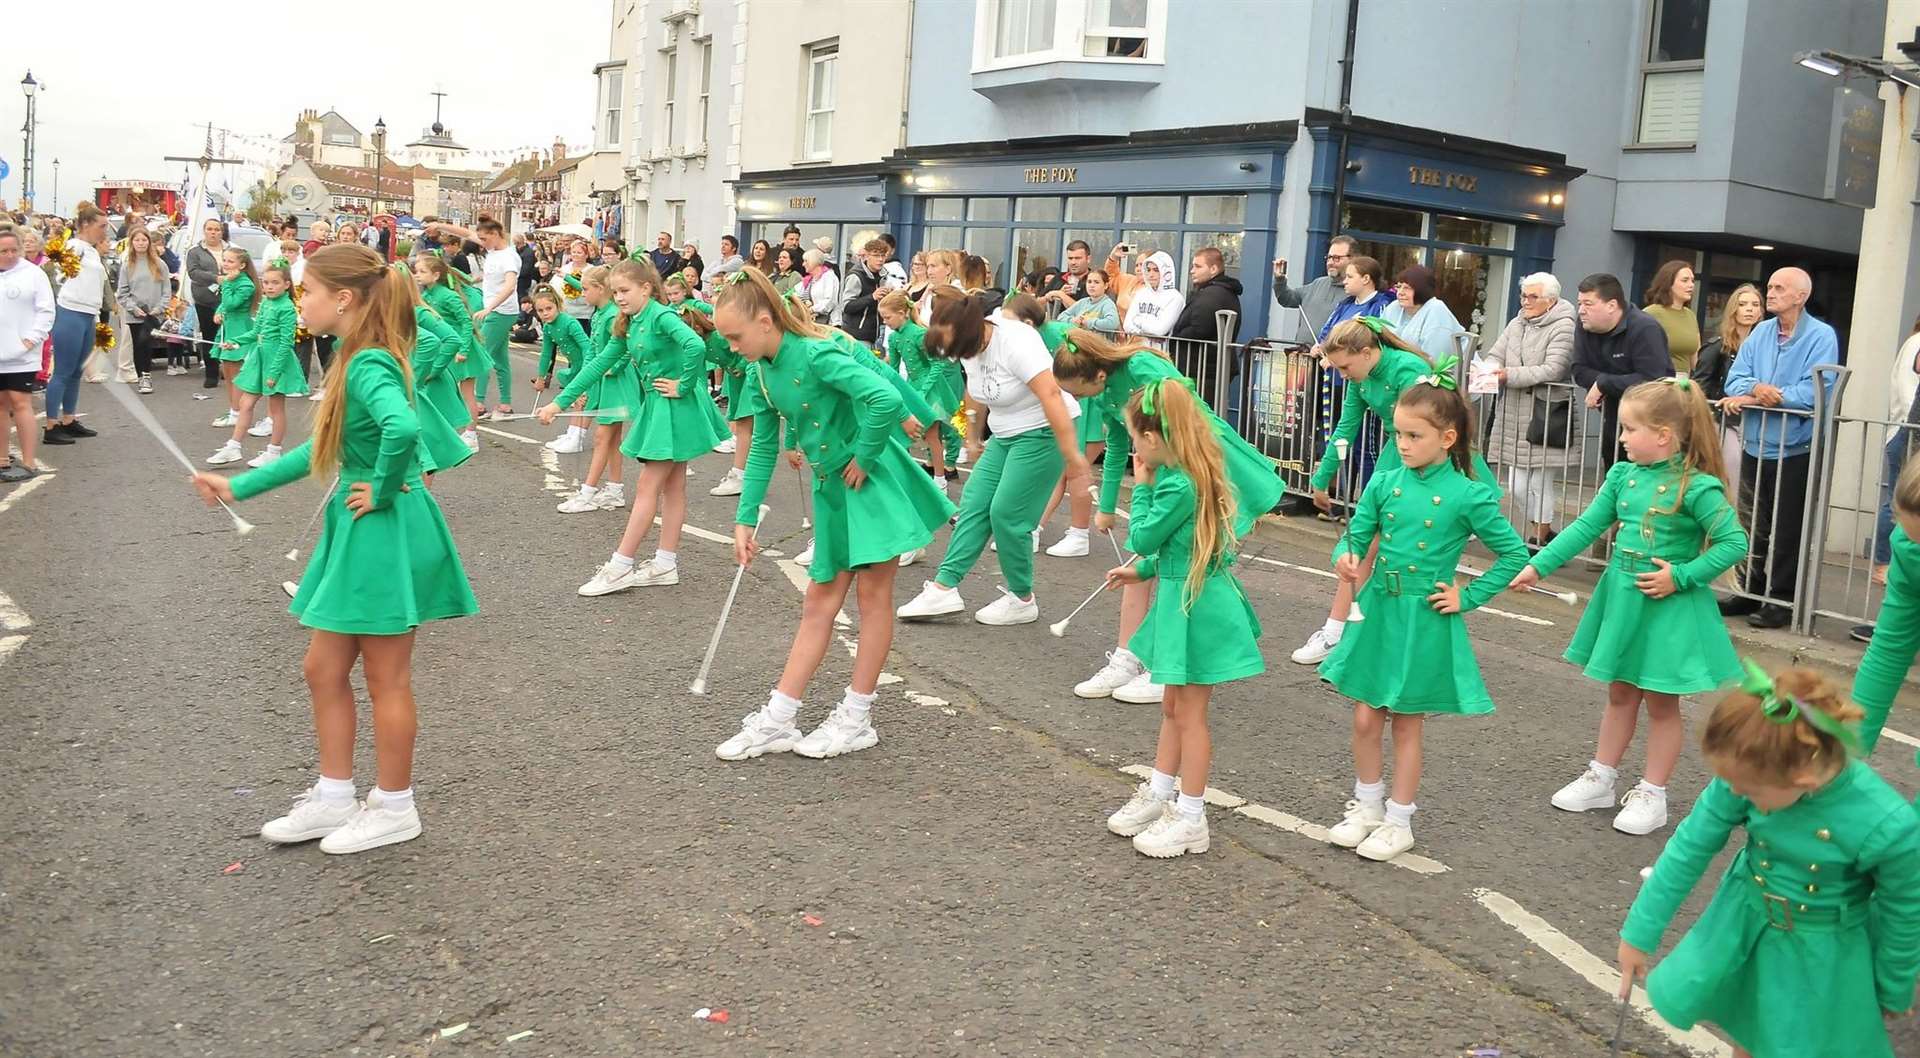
[[227, 421], [263, 428], [612, 578], [933, 600], [805, 557], [1121, 669], [648, 575], [471, 439], [1642, 812], [310, 818], [1387, 841], [1589, 792], [567, 443], [1361, 820], [1141, 690], [961, 459], [1072, 545], [1140, 811], [1173, 835], [272, 453], [913, 556], [730, 484], [226, 453], [318, 394], [611, 497], [176, 369], [580, 502], [839, 733], [759, 734], [371, 827], [1316, 648], [1009, 609], [726, 447]]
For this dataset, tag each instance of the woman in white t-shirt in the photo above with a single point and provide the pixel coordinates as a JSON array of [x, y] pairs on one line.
[[1009, 374], [500, 286], [76, 312]]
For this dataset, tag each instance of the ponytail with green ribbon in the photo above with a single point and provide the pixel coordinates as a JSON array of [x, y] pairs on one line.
[[1785, 709], [1443, 376]]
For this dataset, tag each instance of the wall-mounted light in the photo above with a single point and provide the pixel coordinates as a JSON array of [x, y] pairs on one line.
[[1762, 247], [1248, 167], [876, 198], [1556, 198], [1819, 62]]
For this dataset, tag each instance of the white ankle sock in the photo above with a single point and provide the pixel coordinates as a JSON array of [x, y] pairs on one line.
[[1612, 775], [621, 561], [586, 492], [666, 559], [1657, 791], [940, 480], [1162, 785], [395, 800], [1192, 807], [335, 791], [1333, 629], [782, 709], [1076, 532], [1399, 814], [1370, 793], [857, 704]]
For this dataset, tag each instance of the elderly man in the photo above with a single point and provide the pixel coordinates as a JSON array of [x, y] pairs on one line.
[[1317, 299], [1617, 348], [1771, 376]]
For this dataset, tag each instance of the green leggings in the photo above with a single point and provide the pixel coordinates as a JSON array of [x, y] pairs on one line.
[[1007, 492], [494, 329]]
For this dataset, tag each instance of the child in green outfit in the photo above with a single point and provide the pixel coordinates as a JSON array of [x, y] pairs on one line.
[[564, 348], [1652, 631], [1812, 942], [607, 381], [1201, 631], [239, 297], [1411, 657], [270, 369], [384, 563], [732, 369], [1896, 633]]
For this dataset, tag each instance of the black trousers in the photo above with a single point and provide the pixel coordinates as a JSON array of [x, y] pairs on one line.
[[140, 333], [321, 344], [208, 331], [1775, 491]]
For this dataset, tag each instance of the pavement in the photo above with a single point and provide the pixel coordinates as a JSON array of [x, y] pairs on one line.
[[590, 876]]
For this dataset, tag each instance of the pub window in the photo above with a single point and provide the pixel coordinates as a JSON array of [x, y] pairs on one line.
[[1673, 73]]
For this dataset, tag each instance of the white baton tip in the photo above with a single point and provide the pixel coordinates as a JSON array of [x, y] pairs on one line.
[[1059, 629]]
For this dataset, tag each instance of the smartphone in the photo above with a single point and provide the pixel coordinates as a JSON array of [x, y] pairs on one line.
[[1123, 248]]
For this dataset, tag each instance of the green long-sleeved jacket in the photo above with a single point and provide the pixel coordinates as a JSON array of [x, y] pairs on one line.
[[840, 410]]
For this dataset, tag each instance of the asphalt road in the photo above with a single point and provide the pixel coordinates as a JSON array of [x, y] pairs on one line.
[[591, 874]]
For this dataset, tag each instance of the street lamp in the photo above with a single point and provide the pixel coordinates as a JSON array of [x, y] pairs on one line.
[[56, 183], [380, 158], [31, 87]]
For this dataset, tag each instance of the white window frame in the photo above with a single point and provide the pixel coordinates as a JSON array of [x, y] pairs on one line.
[[669, 139], [704, 109], [1650, 69], [612, 90], [819, 53], [1070, 32]]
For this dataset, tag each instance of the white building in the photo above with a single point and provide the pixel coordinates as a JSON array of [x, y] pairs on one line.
[[683, 73]]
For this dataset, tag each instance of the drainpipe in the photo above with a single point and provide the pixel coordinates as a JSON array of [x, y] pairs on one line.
[[1346, 111]]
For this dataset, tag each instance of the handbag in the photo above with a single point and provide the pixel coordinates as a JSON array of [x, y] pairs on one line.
[[1552, 422]]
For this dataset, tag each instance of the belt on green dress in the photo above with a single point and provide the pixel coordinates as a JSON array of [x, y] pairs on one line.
[[1786, 914], [1389, 580], [1628, 560]]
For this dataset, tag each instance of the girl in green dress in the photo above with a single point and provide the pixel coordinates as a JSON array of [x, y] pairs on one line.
[[675, 422], [1652, 631], [1411, 657], [1106, 376], [1812, 942], [732, 369], [445, 290], [937, 381], [384, 563], [1202, 631], [871, 503], [610, 385], [239, 297], [436, 399], [563, 347], [1896, 632], [270, 369]]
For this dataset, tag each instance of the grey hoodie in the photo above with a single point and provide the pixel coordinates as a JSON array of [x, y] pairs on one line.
[[140, 293]]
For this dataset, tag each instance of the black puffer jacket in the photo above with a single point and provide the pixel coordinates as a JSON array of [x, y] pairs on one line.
[[1196, 320]]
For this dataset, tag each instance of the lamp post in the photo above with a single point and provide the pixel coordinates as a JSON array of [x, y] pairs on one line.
[[56, 183], [32, 88], [380, 159]]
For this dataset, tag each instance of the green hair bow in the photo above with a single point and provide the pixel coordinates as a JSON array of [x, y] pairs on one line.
[[280, 263], [734, 278], [1679, 382], [1373, 323], [1443, 375], [1150, 401], [1786, 709]]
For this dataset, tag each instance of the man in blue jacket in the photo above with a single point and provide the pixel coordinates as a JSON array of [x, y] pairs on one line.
[[1770, 386]]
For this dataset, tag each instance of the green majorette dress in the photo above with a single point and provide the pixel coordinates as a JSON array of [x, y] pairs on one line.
[[1406, 657], [1256, 488], [1896, 639], [1092, 428], [1815, 928], [446, 303], [566, 341], [609, 378], [236, 319], [395, 567], [1675, 645], [733, 374], [1216, 640], [916, 406], [440, 445], [672, 429], [840, 408], [938, 382], [271, 368], [1378, 393]]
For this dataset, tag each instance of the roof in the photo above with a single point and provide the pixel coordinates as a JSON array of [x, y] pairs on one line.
[[395, 181], [437, 135], [552, 172], [513, 175], [334, 129]]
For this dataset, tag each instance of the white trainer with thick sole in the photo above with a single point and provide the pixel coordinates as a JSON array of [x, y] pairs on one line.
[[933, 600], [1140, 811]]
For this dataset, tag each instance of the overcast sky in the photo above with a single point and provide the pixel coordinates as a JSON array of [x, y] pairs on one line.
[[517, 78]]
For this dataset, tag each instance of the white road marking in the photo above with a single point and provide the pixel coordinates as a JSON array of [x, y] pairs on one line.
[[25, 488], [10, 644], [1595, 970], [1293, 824], [1903, 739], [509, 436], [12, 617]]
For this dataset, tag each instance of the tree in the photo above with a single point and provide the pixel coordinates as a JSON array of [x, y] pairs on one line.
[[262, 201]]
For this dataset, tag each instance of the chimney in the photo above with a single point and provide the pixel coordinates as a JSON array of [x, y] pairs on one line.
[[559, 149]]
